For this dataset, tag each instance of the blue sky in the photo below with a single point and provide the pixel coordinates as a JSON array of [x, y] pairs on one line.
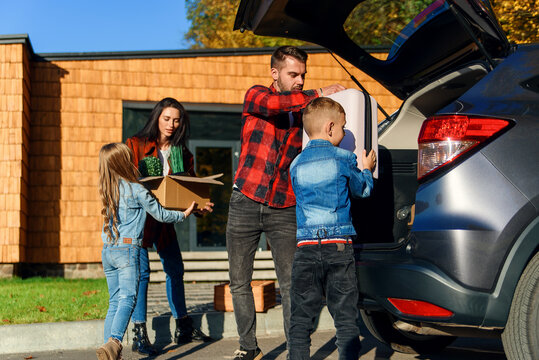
[[96, 25]]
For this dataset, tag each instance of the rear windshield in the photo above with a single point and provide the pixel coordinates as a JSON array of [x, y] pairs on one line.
[[389, 22]]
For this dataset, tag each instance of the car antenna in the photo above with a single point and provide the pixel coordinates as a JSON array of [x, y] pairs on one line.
[[357, 82]]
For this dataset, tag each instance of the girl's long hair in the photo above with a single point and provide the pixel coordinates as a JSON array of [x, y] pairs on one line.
[[150, 131], [115, 162]]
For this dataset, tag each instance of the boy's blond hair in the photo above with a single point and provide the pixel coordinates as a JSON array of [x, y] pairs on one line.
[[318, 112], [115, 163]]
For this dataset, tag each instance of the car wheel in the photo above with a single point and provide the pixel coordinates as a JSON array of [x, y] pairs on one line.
[[521, 335], [380, 325]]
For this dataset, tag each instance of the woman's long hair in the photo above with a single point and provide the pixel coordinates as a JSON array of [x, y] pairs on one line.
[[150, 131], [115, 162]]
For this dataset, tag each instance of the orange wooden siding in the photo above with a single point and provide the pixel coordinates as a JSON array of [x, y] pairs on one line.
[[52, 212], [14, 148]]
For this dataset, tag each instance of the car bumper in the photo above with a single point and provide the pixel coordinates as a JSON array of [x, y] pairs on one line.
[[380, 279]]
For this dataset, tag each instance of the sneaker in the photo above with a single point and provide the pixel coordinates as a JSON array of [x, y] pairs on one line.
[[243, 354]]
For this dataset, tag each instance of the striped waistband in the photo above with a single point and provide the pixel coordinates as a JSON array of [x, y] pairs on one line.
[[324, 241]]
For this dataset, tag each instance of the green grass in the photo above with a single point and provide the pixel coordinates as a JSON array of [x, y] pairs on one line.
[[36, 300]]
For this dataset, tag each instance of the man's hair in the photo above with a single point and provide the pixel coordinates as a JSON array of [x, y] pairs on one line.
[[280, 54], [317, 112]]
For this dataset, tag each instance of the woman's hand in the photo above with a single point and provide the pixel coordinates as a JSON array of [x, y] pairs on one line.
[[189, 210], [206, 209]]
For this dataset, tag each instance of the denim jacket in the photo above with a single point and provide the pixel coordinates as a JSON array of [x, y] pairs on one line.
[[135, 201], [323, 178]]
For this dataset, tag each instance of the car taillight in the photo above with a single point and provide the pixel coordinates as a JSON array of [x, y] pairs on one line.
[[443, 139], [420, 308]]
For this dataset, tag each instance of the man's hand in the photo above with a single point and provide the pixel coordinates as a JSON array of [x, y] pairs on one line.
[[369, 161], [331, 89]]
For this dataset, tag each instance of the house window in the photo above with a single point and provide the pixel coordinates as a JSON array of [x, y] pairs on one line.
[[214, 157]]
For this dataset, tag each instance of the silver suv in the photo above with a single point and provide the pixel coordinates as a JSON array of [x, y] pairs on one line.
[[449, 241]]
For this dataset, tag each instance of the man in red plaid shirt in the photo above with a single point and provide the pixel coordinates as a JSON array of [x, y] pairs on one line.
[[263, 199]]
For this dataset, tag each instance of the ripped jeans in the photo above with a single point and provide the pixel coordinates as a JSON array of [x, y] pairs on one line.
[[121, 266]]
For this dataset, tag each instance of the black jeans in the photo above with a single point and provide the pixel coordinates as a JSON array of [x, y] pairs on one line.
[[247, 219], [318, 271]]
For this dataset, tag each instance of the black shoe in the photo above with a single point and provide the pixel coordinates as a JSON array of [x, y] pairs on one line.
[[243, 354], [141, 343], [199, 336], [185, 332]]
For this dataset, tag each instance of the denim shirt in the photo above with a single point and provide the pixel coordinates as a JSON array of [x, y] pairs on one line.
[[135, 200], [323, 178]]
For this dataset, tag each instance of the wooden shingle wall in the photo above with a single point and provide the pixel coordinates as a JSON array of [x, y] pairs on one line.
[[45, 165], [76, 107], [14, 146]]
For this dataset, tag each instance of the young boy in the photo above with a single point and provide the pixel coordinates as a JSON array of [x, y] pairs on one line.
[[323, 178]]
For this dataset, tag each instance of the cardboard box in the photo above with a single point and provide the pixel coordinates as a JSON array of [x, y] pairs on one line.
[[178, 192], [263, 292]]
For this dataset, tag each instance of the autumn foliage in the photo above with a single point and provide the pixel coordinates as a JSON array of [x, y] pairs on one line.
[[212, 22], [519, 19]]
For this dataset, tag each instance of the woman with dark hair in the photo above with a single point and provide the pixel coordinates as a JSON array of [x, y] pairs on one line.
[[163, 137], [165, 133]]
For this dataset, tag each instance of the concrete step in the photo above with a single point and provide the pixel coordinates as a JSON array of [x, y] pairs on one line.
[[211, 266], [160, 276], [198, 265]]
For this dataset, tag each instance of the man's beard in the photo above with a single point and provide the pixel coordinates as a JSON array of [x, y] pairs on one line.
[[283, 88]]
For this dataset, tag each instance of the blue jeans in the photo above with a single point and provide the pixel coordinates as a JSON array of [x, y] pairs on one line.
[[121, 266], [247, 219], [171, 258], [318, 271], [139, 314]]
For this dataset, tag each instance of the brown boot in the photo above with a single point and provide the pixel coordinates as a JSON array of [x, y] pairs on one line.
[[112, 350]]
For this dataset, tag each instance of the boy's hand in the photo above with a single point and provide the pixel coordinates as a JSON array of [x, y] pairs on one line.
[[369, 161], [189, 210], [206, 209]]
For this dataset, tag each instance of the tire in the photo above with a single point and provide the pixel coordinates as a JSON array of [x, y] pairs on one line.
[[380, 325], [521, 335]]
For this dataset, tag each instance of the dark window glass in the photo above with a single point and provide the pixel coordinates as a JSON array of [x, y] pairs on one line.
[[211, 228]]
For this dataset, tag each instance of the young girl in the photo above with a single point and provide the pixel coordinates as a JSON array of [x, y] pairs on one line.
[[125, 204]]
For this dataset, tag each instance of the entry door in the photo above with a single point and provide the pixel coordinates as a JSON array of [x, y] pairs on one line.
[[213, 157]]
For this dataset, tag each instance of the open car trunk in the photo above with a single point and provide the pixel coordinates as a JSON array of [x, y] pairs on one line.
[[385, 218]]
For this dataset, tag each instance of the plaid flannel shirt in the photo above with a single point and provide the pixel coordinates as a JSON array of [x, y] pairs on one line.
[[271, 137]]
